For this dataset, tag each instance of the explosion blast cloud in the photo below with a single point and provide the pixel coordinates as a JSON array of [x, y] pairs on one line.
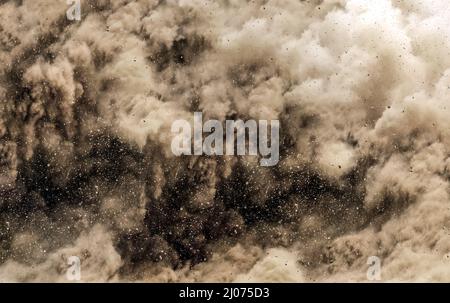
[[361, 89]]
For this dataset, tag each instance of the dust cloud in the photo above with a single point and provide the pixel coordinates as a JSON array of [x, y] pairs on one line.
[[361, 90]]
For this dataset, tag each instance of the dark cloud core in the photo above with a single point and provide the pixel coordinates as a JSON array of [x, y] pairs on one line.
[[361, 92]]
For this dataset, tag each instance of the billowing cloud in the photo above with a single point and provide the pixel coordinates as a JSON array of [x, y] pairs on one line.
[[360, 88]]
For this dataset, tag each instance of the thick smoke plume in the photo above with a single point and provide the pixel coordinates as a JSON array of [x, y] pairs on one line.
[[361, 89]]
